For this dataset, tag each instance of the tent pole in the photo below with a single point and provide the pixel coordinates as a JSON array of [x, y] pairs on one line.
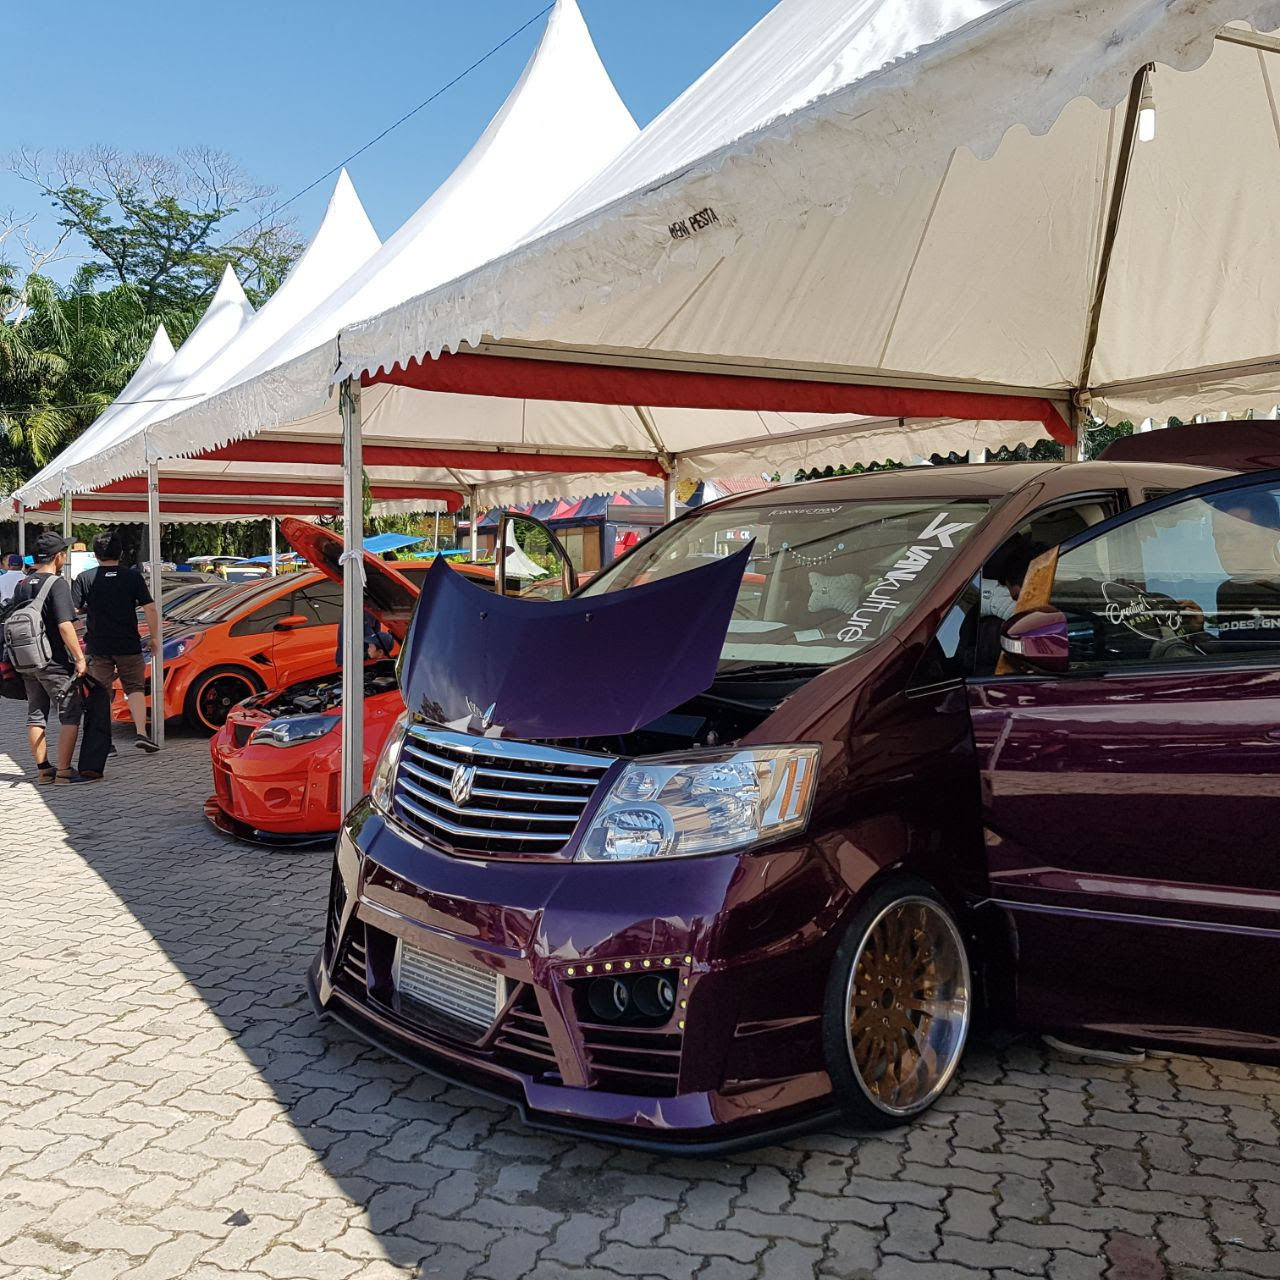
[[275, 559], [157, 594], [669, 495], [66, 531], [475, 523], [435, 539], [1079, 403], [352, 598], [22, 530]]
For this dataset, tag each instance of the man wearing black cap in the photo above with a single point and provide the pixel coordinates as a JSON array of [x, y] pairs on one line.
[[56, 682]]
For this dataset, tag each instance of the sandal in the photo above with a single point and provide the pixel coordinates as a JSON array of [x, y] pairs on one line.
[[45, 772], [62, 779]]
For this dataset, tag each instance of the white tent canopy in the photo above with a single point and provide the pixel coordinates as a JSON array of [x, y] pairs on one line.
[[943, 196], [344, 240], [227, 313], [560, 125]]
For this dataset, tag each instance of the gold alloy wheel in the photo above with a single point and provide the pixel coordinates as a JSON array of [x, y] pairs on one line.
[[908, 1006]]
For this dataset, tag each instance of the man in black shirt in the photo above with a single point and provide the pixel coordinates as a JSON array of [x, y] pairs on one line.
[[57, 682], [110, 596]]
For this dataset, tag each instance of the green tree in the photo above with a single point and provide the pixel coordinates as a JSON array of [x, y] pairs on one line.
[[166, 226]]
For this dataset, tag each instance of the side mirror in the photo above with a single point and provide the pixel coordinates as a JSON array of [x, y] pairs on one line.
[[1038, 639], [292, 622]]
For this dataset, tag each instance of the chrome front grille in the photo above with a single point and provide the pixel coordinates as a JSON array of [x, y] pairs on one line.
[[484, 795]]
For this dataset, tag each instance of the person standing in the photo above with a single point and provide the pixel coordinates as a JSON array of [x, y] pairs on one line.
[[57, 682], [110, 596], [14, 572]]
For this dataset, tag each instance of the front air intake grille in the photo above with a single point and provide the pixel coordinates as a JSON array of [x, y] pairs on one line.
[[522, 1041], [633, 1059], [241, 732], [337, 900], [353, 965], [486, 796]]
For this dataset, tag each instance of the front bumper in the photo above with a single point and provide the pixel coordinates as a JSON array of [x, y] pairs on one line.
[[274, 794], [738, 1060]]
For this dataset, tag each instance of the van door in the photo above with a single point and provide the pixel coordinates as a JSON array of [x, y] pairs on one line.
[[532, 563], [1129, 803]]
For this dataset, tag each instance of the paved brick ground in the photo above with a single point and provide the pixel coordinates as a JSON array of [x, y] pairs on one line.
[[170, 1108]]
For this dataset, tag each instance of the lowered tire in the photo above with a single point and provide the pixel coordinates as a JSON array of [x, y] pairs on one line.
[[898, 1005], [214, 692]]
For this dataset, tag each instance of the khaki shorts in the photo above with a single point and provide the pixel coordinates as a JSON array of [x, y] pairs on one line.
[[130, 667]]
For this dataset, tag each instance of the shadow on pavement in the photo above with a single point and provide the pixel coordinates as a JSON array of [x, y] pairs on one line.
[[312, 1149]]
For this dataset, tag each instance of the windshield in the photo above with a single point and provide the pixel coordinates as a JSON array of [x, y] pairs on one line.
[[235, 598], [824, 581]]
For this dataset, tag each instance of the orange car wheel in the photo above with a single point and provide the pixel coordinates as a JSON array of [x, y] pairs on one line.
[[214, 692]]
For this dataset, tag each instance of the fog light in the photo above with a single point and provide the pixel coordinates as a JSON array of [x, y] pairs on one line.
[[608, 999], [654, 995]]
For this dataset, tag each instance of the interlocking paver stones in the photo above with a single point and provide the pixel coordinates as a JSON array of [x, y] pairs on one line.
[[170, 1108]]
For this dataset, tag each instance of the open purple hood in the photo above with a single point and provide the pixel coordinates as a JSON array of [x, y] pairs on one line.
[[577, 668]]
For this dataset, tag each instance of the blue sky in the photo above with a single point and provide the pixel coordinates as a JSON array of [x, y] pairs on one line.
[[289, 88]]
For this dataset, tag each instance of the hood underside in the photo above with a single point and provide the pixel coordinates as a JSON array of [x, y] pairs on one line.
[[583, 667], [389, 595]]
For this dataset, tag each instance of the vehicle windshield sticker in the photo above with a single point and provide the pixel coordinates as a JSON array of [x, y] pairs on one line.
[[1147, 616], [871, 616], [804, 511]]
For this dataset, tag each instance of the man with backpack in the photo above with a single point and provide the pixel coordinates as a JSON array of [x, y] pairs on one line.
[[110, 597], [41, 641]]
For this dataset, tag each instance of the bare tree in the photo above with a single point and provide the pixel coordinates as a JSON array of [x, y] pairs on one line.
[[165, 226], [22, 258]]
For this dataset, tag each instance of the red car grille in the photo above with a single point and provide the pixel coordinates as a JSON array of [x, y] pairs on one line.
[[222, 784], [241, 732]]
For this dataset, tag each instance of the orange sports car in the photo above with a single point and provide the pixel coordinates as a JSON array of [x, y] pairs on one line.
[[277, 758], [249, 638]]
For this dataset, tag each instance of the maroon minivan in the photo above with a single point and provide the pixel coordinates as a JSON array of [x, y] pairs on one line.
[[746, 831]]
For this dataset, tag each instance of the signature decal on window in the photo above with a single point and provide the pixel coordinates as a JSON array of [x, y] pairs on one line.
[[1150, 617], [883, 598]]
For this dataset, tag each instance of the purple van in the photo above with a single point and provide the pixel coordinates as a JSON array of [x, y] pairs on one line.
[[746, 832]]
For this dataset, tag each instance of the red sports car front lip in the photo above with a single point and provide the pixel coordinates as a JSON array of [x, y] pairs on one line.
[[267, 790]]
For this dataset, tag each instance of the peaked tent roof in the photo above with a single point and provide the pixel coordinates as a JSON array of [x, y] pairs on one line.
[[932, 196], [227, 313], [344, 240], [560, 124]]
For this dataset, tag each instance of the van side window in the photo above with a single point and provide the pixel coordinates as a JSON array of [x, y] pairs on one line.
[[1193, 582], [968, 641]]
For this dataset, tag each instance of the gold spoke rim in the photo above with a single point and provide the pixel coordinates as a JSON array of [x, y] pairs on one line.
[[907, 1006]]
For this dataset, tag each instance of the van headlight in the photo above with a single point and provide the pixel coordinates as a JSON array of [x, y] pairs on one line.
[[714, 802], [384, 772]]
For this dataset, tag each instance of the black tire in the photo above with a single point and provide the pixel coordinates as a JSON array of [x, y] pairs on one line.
[[214, 692], [893, 1060]]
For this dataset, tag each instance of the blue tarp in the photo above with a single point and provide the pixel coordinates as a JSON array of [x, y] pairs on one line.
[[381, 542]]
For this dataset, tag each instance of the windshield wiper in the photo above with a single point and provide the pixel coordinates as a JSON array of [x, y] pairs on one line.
[[779, 669]]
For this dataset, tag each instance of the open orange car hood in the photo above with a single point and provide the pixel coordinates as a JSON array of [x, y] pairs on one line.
[[388, 594]]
